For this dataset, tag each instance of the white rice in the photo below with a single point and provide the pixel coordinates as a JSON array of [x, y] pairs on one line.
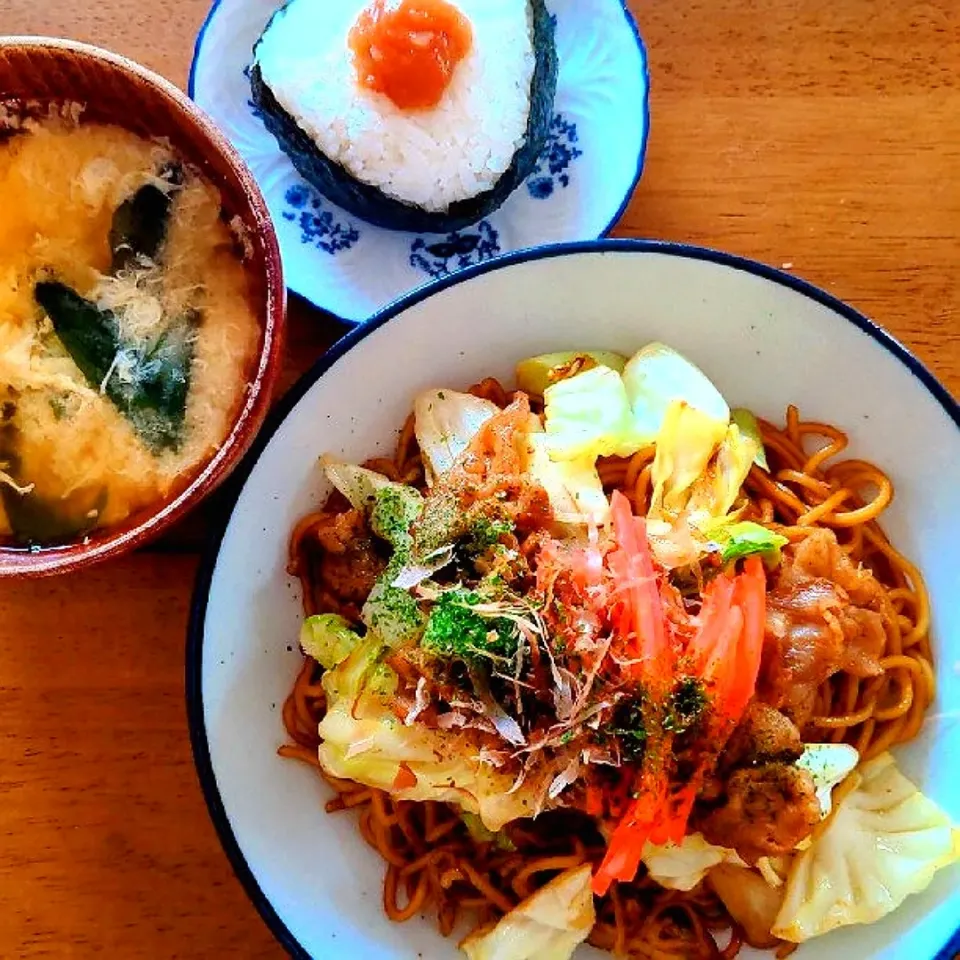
[[430, 158]]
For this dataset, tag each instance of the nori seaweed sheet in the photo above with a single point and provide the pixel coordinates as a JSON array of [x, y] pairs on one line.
[[372, 205]]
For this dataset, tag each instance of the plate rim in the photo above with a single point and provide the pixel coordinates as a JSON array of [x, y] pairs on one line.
[[632, 24], [208, 563]]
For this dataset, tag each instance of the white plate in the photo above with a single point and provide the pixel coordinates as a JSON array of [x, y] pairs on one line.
[[583, 182], [765, 338]]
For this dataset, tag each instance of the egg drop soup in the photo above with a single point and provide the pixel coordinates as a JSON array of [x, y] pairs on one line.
[[127, 332]]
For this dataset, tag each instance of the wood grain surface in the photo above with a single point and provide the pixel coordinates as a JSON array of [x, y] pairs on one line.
[[817, 134]]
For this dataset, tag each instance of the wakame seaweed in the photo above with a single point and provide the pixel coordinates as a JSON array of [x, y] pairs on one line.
[[35, 520], [147, 383], [140, 223]]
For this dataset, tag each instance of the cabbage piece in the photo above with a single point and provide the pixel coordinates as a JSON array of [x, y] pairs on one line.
[[392, 507], [753, 897], [717, 490], [700, 465], [549, 925], [358, 484], [829, 764], [535, 374], [747, 424], [749, 899], [588, 416], [363, 740], [702, 459], [742, 538], [415, 571], [480, 834], [682, 866], [686, 443], [395, 507], [885, 841], [675, 543], [657, 376], [445, 421], [328, 638], [361, 673], [775, 869], [391, 611], [573, 486]]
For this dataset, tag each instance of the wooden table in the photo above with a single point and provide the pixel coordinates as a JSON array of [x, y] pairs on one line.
[[821, 136]]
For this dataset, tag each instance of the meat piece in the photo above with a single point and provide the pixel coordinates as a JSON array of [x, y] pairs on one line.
[[764, 734], [525, 504], [349, 564], [533, 510], [337, 531], [764, 811], [823, 615], [864, 640], [819, 556], [803, 645]]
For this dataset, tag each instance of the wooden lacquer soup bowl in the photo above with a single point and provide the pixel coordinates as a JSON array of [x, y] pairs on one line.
[[37, 72]]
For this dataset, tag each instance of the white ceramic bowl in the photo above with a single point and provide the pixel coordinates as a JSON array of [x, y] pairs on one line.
[[764, 337]]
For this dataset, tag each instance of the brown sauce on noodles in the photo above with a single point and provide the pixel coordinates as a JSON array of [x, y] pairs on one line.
[[433, 864]]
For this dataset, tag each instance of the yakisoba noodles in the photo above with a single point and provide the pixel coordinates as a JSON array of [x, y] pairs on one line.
[[873, 693], [803, 491]]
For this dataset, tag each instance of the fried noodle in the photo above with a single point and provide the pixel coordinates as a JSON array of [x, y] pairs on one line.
[[431, 859]]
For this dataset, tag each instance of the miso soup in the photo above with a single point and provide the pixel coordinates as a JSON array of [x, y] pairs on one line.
[[127, 332]]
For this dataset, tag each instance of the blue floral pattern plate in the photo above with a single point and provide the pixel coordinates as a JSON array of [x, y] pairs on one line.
[[582, 182]]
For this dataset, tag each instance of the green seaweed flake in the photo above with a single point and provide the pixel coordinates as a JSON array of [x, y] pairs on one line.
[[456, 629]]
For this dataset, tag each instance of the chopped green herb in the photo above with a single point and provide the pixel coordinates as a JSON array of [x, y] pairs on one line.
[[392, 611], [628, 725], [485, 533], [686, 704], [455, 629]]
